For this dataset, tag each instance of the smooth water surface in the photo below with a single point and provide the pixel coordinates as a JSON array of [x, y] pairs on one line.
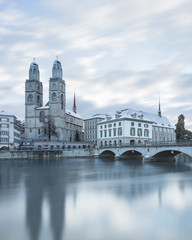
[[95, 199]]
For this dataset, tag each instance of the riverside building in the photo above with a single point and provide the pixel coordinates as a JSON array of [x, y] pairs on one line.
[[130, 126], [90, 134], [10, 130]]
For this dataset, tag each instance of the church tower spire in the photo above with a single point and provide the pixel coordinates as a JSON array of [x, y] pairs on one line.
[[74, 105], [159, 112]]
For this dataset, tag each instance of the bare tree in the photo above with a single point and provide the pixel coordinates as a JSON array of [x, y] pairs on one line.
[[49, 128], [77, 136]]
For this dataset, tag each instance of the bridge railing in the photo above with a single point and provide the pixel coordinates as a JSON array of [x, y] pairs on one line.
[[152, 144]]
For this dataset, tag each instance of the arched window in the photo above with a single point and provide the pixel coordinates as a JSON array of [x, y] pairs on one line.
[[30, 98], [38, 88], [62, 87], [38, 100], [101, 143], [115, 142], [54, 86], [54, 98], [42, 116]]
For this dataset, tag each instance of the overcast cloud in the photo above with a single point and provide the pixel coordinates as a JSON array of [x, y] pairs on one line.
[[115, 54]]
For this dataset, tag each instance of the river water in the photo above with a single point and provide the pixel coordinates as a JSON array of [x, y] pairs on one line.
[[95, 199]]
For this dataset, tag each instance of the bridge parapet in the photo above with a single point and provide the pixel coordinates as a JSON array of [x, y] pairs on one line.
[[152, 144], [149, 150]]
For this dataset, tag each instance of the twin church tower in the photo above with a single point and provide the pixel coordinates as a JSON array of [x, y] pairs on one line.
[[35, 113]]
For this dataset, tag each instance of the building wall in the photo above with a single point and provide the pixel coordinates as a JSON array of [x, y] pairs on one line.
[[74, 124], [91, 133], [10, 131], [121, 131]]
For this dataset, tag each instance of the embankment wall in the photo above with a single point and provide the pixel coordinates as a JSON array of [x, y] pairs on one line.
[[45, 154]]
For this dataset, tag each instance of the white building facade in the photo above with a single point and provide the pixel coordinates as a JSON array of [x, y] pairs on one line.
[[130, 126], [36, 114], [10, 130], [90, 125]]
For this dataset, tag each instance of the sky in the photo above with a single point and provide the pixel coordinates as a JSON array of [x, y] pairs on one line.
[[115, 54]]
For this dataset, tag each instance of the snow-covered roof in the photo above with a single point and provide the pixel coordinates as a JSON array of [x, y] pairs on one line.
[[73, 114], [6, 113], [98, 115], [136, 115], [43, 108]]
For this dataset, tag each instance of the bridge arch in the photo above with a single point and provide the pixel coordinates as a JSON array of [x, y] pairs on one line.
[[166, 153], [172, 152], [107, 153], [131, 153]]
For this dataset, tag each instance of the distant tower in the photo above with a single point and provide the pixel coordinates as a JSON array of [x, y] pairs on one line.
[[74, 105], [159, 112], [57, 98], [33, 99]]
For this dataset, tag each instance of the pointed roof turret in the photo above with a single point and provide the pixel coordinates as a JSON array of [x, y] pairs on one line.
[[34, 71], [159, 112], [57, 71], [74, 105]]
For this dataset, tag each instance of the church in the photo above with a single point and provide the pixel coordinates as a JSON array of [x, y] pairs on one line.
[[52, 121]]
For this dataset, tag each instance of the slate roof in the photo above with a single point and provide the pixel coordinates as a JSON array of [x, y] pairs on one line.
[[132, 114]]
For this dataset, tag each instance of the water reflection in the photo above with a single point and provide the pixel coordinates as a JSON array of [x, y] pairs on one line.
[[95, 199], [45, 181]]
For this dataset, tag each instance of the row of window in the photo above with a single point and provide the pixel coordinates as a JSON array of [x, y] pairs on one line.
[[118, 132], [90, 127], [4, 140], [16, 134], [92, 122], [111, 132], [30, 88], [3, 125], [18, 128], [16, 140], [30, 99], [4, 133], [53, 98], [139, 132], [163, 130], [110, 125], [54, 86], [4, 119], [110, 143], [139, 124], [119, 124]]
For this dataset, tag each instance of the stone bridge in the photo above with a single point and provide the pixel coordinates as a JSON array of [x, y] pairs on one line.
[[147, 152]]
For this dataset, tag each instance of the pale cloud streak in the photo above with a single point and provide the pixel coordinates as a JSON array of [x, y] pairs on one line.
[[113, 53]]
